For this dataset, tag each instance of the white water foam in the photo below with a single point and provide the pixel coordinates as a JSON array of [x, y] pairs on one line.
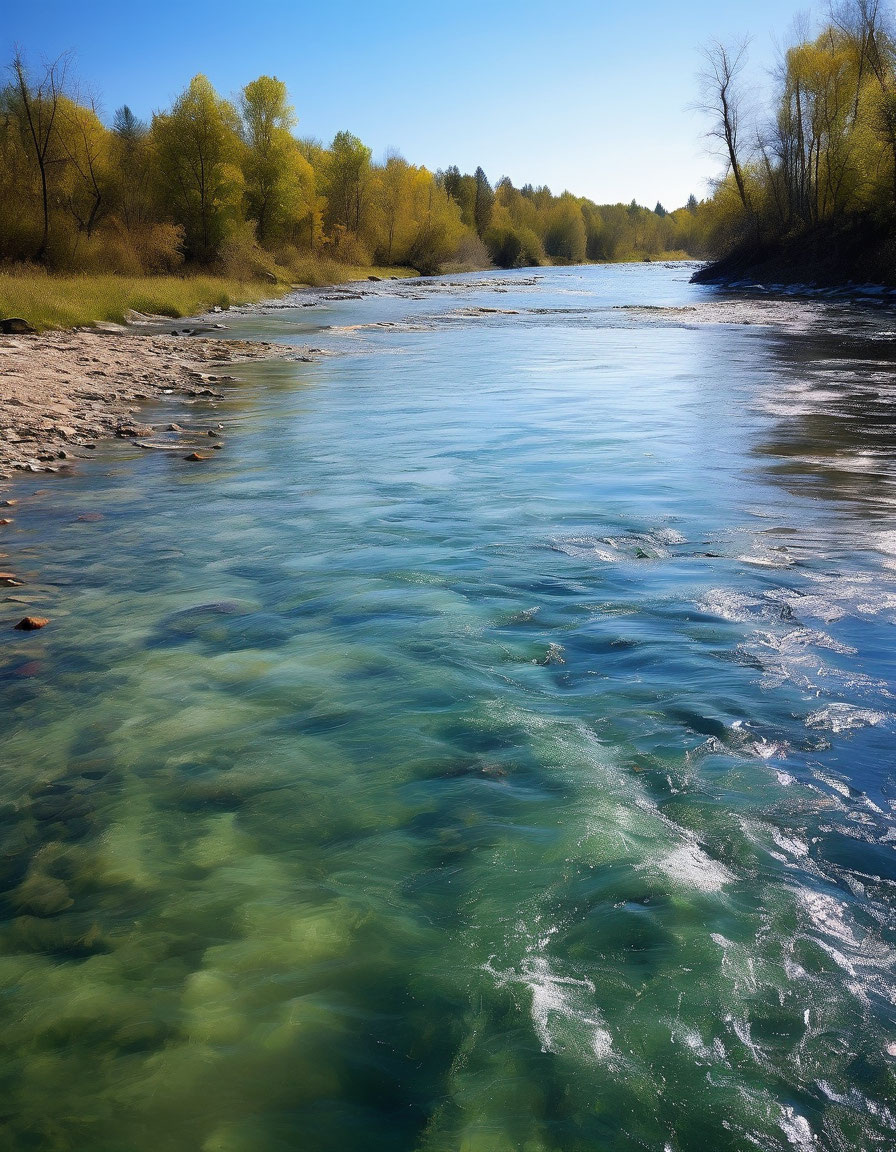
[[845, 718]]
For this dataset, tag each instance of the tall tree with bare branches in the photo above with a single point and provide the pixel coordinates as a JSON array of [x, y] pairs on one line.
[[38, 108], [721, 98]]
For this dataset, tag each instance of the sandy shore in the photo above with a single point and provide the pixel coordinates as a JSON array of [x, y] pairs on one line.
[[61, 391]]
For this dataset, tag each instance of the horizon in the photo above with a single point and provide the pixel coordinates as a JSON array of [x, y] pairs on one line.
[[465, 110]]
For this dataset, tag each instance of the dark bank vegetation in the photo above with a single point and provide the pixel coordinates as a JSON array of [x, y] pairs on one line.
[[227, 187], [810, 190]]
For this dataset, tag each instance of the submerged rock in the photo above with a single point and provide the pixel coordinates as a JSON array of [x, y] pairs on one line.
[[228, 625], [43, 895], [32, 623]]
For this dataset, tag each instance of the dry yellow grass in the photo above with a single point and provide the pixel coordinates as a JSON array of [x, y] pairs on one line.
[[48, 301]]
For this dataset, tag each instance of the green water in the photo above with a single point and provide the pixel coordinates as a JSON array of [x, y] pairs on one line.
[[490, 749]]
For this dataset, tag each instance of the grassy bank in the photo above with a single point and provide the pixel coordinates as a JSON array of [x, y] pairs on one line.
[[48, 301]]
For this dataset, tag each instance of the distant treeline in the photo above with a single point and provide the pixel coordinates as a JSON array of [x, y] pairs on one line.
[[227, 184], [814, 178]]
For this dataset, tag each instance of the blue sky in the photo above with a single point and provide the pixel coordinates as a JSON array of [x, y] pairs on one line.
[[587, 96]]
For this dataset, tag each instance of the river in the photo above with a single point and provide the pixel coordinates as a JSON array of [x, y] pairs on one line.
[[491, 749]]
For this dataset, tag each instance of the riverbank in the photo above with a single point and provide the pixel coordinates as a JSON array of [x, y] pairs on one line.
[[47, 302], [844, 260], [61, 391]]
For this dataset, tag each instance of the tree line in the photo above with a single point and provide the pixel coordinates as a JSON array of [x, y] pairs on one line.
[[214, 182], [824, 155]]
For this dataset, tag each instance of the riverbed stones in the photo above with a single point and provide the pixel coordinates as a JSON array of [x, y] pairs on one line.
[[60, 389]]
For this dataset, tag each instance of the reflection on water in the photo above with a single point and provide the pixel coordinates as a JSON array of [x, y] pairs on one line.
[[491, 749]]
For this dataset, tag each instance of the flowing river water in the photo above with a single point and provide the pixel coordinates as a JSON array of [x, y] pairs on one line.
[[490, 750]]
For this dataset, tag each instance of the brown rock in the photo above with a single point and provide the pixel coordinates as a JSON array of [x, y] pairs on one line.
[[7, 580], [195, 456], [128, 430], [15, 325], [32, 623], [2, 521]]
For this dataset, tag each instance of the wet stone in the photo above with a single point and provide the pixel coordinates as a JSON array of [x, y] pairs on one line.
[[32, 623]]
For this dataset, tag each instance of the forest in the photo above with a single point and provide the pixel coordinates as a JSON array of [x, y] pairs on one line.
[[228, 185], [810, 188]]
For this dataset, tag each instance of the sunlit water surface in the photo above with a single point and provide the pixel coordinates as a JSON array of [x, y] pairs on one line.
[[491, 749]]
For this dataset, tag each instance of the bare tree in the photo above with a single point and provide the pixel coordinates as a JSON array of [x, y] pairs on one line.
[[83, 150], [721, 98], [38, 109]]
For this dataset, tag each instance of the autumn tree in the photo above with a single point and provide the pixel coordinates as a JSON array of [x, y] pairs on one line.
[[564, 237], [269, 168], [393, 196], [347, 182], [197, 150]]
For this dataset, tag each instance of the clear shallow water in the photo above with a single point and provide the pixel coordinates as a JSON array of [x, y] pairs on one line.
[[490, 749]]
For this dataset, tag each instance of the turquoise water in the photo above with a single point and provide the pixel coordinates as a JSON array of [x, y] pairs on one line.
[[490, 749]]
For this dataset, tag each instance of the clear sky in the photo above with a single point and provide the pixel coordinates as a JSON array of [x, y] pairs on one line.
[[592, 97]]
